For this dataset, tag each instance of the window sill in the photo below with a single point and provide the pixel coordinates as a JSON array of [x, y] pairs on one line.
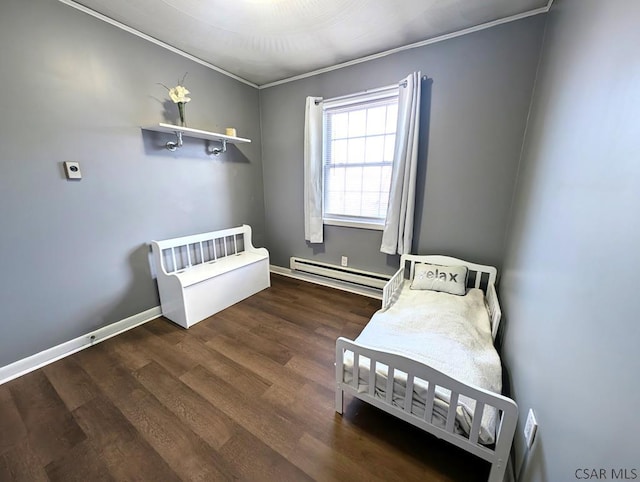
[[354, 224]]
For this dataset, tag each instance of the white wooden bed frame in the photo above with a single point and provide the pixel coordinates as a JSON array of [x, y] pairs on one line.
[[498, 455]]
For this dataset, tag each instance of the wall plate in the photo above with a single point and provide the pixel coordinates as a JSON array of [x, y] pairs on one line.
[[530, 428], [72, 170]]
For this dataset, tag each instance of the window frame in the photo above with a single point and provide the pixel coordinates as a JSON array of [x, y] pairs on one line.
[[364, 99]]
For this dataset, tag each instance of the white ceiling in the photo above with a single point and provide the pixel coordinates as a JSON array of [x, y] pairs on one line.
[[263, 41]]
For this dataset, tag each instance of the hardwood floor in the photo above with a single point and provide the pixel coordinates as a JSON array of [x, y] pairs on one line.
[[246, 394]]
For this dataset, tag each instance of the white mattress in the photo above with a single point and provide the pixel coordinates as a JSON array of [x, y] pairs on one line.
[[447, 332]]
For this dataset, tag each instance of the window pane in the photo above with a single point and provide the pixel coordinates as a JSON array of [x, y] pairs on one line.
[[371, 179], [352, 204], [371, 204], [335, 179], [374, 151], [389, 146], [353, 179], [357, 122], [385, 182], [392, 118], [339, 125], [376, 119], [384, 202], [338, 154], [334, 202], [356, 151]]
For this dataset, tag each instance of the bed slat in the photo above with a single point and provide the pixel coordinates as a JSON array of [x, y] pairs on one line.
[[356, 370], [390, 377], [478, 280], [428, 408], [451, 414], [408, 394], [372, 377], [475, 426]]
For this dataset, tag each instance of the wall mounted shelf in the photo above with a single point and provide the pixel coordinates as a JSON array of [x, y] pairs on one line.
[[180, 131]]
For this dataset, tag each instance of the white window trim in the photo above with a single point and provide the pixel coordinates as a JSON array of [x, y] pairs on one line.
[[377, 225], [366, 96]]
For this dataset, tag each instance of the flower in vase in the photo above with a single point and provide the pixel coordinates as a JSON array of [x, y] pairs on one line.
[[178, 95]]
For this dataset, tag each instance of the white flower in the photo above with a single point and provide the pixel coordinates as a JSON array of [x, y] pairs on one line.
[[179, 94]]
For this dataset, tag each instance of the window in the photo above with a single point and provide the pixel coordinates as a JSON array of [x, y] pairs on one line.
[[359, 138]]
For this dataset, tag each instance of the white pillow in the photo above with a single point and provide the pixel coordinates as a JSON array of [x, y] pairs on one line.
[[449, 279]]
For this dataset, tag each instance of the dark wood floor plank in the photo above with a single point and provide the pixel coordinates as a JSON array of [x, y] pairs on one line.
[[21, 464], [242, 334], [82, 463], [256, 362], [12, 430], [121, 447], [160, 351], [51, 429], [127, 350], [194, 411], [257, 461], [244, 380], [166, 330], [186, 453], [312, 371], [309, 317], [323, 463], [271, 428], [71, 382]]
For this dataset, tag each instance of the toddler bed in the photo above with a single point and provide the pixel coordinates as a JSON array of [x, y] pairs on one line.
[[427, 357]]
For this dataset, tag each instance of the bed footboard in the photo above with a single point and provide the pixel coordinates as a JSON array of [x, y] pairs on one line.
[[403, 407]]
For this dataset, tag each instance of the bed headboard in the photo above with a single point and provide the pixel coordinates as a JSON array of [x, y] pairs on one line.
[[480, 276]]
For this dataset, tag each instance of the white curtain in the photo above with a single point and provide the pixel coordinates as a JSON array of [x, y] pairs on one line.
[[398, 229], [313, 170]]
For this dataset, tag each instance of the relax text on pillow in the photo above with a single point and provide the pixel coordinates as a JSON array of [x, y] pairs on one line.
[[449, 279]]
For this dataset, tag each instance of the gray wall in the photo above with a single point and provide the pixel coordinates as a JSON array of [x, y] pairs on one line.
[[475, 107], [73, 255], [568, 288]]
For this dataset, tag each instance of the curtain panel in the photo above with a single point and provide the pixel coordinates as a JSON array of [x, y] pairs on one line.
[[313, 227], [397, 236]]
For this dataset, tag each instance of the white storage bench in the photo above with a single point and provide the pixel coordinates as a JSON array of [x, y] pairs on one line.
[[202, 274]]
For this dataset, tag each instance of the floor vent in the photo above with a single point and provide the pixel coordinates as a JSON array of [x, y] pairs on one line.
[[339, 273]]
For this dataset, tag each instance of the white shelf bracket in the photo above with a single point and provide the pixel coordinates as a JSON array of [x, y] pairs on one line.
[[220, 150], [172, 146]]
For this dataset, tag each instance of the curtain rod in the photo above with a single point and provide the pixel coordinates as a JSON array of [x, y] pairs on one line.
[[369, 91], [402, 83]]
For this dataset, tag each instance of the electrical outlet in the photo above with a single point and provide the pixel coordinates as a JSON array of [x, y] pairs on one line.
[[344, 261], [530, 428]]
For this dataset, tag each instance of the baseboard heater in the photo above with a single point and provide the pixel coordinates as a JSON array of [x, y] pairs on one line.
[[339, 273]]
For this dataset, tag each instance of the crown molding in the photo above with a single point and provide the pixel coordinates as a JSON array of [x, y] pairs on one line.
[[342, 65]]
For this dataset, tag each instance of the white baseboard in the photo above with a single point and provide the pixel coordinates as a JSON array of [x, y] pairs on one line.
[[320, 280], [33, 362]]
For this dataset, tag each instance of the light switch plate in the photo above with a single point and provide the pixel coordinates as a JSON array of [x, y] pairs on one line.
[[72, 170]]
